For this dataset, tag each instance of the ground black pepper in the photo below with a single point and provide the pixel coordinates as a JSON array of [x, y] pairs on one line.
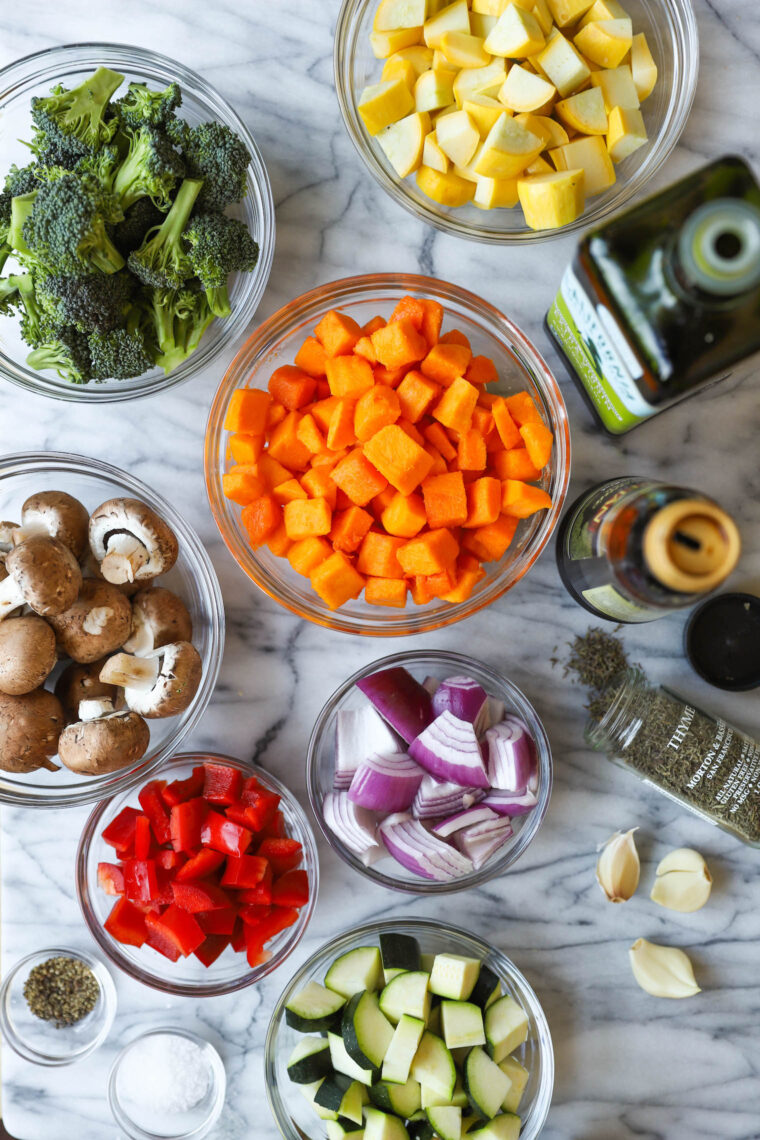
[[61, 990]]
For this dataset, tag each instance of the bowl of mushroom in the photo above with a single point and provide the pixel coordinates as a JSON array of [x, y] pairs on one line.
[[111, 630]]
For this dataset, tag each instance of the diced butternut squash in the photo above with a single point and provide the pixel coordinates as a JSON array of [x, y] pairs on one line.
[[378, 555], [446, 362], [483, 502], [538, 443], [260, 518], [336, 580], [436, 435], [307, 517], [416, 394], [445, 500], [243, 484], [428, 553], [471, 451], [358, 477], [506, 427], [311, 357], [306, 554], [337, 333], [385, 592], [405, 515], [375, 409], [349, 375], [455, 408], [399, 344], [349, 527], [247, 411], [245, 448], [515, 464], [286, 447], [490, 543], [523, 410], [310, 435], [319, 484], [288, 491], [291, 387], [523, 499], [341, 430], [402, 461]]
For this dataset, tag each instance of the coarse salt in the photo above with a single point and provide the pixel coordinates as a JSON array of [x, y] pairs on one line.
[[164, 1073]]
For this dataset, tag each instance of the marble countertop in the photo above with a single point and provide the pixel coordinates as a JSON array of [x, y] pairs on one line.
[[627, 1065]]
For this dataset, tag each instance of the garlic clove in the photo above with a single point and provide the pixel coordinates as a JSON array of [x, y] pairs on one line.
[[662, 971], [618, 868], [683, 881]]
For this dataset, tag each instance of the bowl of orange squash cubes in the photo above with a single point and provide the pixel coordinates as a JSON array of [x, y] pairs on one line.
[[387, 454]]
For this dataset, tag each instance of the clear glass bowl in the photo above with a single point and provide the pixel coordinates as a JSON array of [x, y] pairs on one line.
[[190, 1125], [192, 577], [39, 1041], [276, 342], [34, 75], [295, 1117], [671, 30], [188, 977], [320, 766]]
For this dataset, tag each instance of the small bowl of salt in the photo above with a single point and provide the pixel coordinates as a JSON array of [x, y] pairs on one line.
[[167, 1083]]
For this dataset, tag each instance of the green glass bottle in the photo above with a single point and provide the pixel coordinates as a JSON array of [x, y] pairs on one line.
[[665, 298]]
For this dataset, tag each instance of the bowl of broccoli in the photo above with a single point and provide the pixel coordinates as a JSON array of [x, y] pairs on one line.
[[136, 223]]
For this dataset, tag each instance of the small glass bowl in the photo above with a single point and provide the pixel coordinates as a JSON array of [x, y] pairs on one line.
[[191, 1125], [671, 30], [320, 766], [39, 1041], [295, 1117], [192, 577], [188, 977], [34, 75], [276, 342]]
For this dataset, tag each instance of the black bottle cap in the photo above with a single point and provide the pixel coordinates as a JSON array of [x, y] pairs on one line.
[[722, 641]]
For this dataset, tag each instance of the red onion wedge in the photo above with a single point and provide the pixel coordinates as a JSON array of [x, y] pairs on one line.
[[482, 840], [511, 803], [449, 749], [431, 684], [436, 798], [510, 756], [358, 734], [386, 782], [420, 852], [401, 700], [462, 819], [352, 825], [463, 697]]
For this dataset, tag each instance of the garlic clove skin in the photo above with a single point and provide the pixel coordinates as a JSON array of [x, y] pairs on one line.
[[618, 868], [683, 881], [662, 971]]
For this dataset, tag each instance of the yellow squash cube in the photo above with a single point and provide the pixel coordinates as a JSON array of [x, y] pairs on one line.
[[420, 57], [433, 156], [446, 189], [432, 90], [553, 133], [539, 166], [617, 87], [399, 69], [604, 10], [490, 7], [591, 156], [495, 193], [479, 80], [484, 111], [606, 42], [458, 137], [394, 14], [524, 91], [507, 150], [517, 34], [643, 67], [482, 25], [552, 200], [584, 112], [453, 18], [563, 65], [384, 44], [626, 133], [543, 15], [402, 142], [567, 12], [384, 103], [464, 50]]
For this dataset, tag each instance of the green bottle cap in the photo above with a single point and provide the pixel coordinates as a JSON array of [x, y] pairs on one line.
[[719, 247]]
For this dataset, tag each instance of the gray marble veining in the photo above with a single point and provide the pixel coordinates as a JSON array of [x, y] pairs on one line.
[[627, 1065]]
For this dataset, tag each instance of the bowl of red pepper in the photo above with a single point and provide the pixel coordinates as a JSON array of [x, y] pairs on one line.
[[203, 880]]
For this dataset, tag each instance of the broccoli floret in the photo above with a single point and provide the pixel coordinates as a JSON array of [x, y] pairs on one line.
[[97, 169], [151, 169], [143, 107], [21, 180], [9, 294], [215, 153], [93, 302], [66, 351], [119, 354], [66, 228], [218, 246], [21, 210], [36, 326], [74, 121], [161, 260], [181, 316], [130, 233]]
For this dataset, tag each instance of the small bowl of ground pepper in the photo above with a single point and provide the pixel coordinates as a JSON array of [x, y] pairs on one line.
[[57, 1006]]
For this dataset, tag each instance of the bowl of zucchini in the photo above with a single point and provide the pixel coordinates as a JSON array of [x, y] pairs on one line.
[[409, 1030]]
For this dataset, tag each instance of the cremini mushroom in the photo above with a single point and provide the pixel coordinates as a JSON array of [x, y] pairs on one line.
[[104, 744], [163, 683], [131, 542], [27, 654], [6, 536], [30, 726], [97, 623], [43, 574], [78, 683], [57, 514], [91, 569], [158, 618]]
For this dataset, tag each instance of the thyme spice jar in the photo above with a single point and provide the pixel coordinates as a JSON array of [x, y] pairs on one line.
[[699, 760]]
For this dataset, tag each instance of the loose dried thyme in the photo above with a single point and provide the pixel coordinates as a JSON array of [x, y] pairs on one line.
[[61, 990]]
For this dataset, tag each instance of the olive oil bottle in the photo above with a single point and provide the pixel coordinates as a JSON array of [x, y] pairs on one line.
[[664, 298], [632, 549]]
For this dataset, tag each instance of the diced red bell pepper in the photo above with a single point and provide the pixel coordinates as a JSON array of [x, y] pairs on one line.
[[200, 866], [276, 828], [170, 860], [261, 807], [237, 938], [126, 924], [224, 834], [218, 921], [180, 927], [143, 837], [257, 936], [195, 897], [164, 895], [186, 822], [238, 813], [120, 833], [180, 790], [245, 871], [261, 894], [257, 956], [212, 946], [152, 803], [111, 878], [250, 784], [291, 889], [283, 854], [222, 785], [254, 913], [140, 882], [157, 937]]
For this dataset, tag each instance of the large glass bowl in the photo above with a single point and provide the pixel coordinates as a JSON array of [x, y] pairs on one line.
[[192, 577], [320, 766], [276, 342], [188, 977], [34, 75], [671, 30], [295, 1117]]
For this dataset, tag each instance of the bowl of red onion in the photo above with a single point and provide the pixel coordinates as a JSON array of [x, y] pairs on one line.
[[429, 772]]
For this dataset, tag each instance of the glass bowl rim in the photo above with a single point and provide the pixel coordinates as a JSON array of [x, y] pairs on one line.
[[461, 664], [234, 326], [252, 354], [22, 462], [676, 116], [203, 988], [107, 989], [339, 942]]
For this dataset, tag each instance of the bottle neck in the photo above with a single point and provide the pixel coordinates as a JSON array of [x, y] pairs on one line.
[[629, 700], [717, 252]]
